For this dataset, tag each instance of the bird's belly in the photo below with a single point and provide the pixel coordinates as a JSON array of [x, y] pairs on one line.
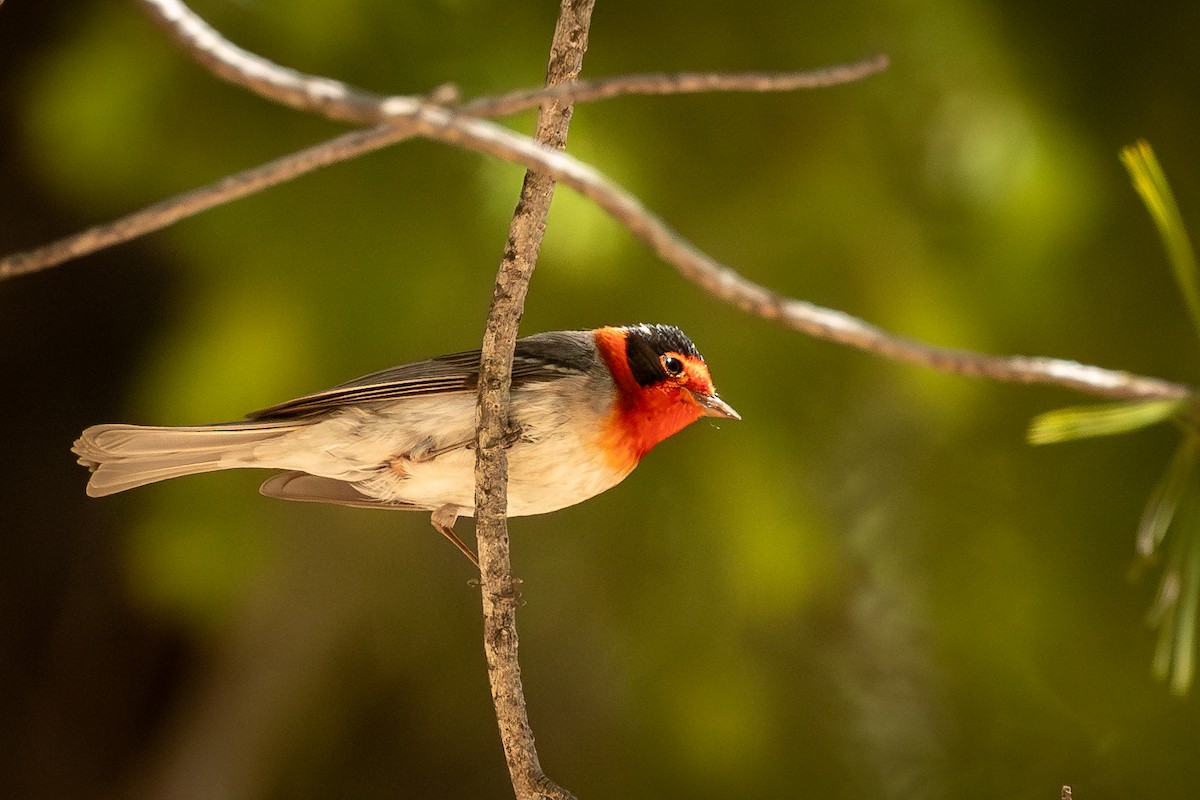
[[555, 475], [542, 477]]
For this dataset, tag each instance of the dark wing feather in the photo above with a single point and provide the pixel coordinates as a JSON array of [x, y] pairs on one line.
[[539, 357]]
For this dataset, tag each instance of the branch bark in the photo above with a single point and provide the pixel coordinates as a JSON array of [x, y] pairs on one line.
[[499, 588]]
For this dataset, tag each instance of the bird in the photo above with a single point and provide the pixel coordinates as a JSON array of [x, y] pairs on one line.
[[585, 407]]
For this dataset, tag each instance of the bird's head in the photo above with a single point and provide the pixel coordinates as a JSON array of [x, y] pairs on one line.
[[663, 385]]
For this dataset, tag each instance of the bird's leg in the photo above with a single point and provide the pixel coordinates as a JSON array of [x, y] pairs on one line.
[[425, 451], [443, 520], [513, 434]]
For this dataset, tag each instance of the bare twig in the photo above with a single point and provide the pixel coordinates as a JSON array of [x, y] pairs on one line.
[[340, 101], [592, 91], [233, 187], [499, 591]]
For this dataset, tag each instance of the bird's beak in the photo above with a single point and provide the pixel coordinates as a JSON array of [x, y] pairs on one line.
[[714, 406]]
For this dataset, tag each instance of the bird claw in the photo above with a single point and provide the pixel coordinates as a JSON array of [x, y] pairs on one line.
[[443, 520]]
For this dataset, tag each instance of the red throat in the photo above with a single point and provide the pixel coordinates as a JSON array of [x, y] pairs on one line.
[[642, 416]]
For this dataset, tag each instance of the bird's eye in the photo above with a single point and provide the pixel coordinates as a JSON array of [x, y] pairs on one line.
[[673, 366]]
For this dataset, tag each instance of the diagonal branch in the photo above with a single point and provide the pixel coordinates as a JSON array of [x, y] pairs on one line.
[[817, 321], [167, 212], [500, 596]]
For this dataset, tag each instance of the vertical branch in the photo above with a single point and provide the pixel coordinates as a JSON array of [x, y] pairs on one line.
[[500, 596]]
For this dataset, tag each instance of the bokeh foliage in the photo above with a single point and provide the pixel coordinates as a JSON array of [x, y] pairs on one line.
[[870, 587]]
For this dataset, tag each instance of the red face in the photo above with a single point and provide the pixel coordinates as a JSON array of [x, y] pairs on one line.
[[646, 414]]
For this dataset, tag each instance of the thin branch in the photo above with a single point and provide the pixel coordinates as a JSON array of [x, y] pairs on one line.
[[187, 204], [651, 84], [500, 596], [340, 101]]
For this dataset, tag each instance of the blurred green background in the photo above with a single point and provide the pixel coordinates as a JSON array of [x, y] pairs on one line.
[[870, 587]]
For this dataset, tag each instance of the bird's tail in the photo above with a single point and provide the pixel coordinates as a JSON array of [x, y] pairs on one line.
[[126, 456]]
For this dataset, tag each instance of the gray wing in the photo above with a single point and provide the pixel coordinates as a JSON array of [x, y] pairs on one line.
[[540, 357]]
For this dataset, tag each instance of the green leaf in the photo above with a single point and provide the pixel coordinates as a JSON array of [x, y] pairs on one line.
[[1165, 499], [1161, 507], [1163, 617], [1151, 183], [1081, 422], [1177, 604], [1183, 663]]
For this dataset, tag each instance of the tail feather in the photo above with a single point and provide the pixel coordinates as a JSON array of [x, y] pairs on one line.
[[127, 456]]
